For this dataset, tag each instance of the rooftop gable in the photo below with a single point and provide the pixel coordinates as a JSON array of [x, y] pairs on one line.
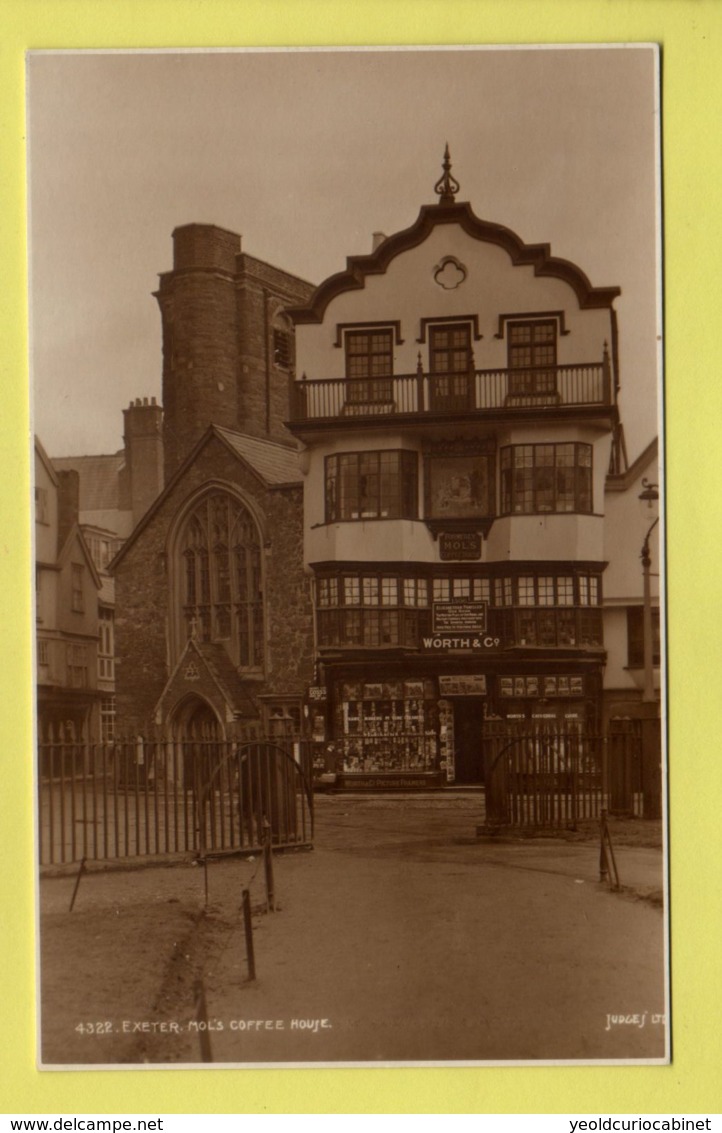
[[537, 256], [623, 481], [274, 465], [46, 462], [76, 535]]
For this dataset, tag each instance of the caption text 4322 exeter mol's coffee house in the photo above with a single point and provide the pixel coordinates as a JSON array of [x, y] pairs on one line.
[[456, 400]]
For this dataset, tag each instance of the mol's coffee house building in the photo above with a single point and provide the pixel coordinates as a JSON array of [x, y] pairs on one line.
[[456, 402]]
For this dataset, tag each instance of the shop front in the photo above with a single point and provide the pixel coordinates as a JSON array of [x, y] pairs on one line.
[[380, 727]]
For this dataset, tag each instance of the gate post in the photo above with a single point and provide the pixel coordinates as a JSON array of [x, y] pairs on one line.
[[652, 766], [495, 778], [621, 743]]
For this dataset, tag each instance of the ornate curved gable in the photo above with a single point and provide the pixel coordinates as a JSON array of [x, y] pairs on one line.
[[449, 212]]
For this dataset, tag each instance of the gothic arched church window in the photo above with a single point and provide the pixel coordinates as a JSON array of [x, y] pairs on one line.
[[221, 578]]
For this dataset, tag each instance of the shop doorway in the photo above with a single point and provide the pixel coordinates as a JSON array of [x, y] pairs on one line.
[[468, 726]]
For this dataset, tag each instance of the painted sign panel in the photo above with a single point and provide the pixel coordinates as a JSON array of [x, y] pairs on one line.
[[460, 486], [466, 684], [459, 643], [553, 686], [465, 545], [459, 617]]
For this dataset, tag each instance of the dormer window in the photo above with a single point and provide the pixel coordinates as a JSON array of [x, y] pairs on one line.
[[369, 365], [532, 357], [451, 365]]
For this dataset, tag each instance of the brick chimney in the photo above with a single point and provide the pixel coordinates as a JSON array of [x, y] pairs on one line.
[[68, 502], [143, 437]]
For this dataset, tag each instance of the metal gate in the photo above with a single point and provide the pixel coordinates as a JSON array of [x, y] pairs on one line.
[[140, 797], [550, 777]]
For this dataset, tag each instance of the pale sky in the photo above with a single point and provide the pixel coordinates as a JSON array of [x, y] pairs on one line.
[[306, 154]]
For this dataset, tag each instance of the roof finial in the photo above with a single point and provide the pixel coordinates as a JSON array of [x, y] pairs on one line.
[[447, 185]]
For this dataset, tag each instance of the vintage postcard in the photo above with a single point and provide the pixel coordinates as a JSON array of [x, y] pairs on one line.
[[349, 489]]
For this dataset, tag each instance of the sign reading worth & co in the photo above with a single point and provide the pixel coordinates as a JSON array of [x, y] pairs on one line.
[[459, 643]]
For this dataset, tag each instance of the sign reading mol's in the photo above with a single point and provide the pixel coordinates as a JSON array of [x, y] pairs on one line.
[[461, 545]]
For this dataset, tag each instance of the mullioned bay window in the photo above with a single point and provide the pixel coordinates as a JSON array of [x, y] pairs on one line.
[[384, 609], [372, 610], [549, 610], [371, 485], [540, 478]]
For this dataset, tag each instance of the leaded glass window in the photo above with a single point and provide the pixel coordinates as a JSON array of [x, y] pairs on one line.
[[222, 578]]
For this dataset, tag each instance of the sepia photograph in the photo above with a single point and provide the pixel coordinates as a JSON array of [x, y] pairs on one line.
[[347, 413]]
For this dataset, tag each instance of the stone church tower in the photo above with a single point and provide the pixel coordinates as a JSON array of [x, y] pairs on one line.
[[214, 621], [227, 344]]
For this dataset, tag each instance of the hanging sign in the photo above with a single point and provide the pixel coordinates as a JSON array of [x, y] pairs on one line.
[[317, 693]]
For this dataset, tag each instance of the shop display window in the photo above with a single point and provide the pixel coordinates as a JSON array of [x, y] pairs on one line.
[[387, 726]]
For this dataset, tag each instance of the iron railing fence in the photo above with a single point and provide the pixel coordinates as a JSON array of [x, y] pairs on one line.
[[475, 391], [141, 797], [550, 777]]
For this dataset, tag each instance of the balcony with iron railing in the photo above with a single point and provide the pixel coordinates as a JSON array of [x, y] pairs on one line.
[[324, 402]]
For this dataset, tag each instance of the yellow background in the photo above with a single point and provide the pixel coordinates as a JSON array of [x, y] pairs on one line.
[[690, 35]]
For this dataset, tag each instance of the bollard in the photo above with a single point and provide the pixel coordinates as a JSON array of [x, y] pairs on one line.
[[248, 925], [268, 864], [201, 1014], [81, 871], [603, 871], [607, 862]]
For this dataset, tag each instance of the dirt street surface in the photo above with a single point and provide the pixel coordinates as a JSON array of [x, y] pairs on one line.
[[399, 938]]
